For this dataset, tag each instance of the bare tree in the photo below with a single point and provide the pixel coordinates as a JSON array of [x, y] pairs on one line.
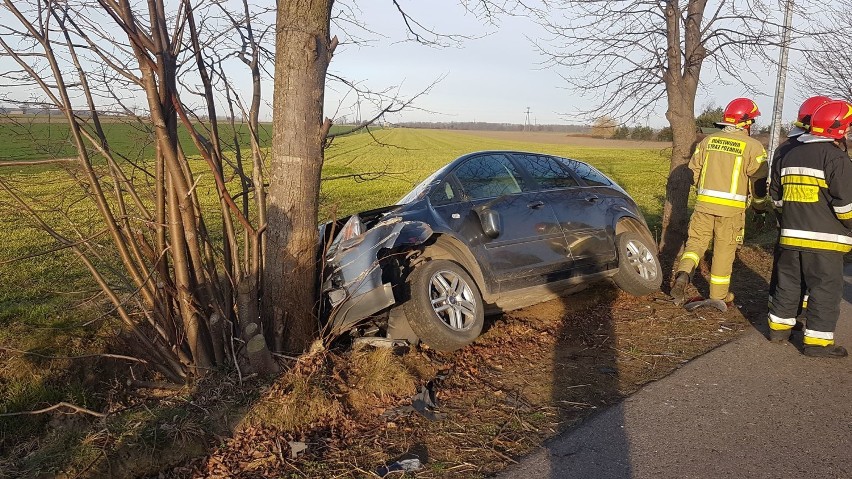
[[197, 295], [634, 55], [193, 296], [829, 72]]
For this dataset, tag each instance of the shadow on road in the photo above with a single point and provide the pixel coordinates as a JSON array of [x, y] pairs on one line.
[[586, 376]]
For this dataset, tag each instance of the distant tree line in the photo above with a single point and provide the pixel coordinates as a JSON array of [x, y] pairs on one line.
[[486, 126], [705, 122]]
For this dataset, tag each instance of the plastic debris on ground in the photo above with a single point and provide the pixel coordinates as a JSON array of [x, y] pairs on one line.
[[404, 465]]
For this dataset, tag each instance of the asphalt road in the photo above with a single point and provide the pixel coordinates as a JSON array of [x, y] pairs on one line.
[[748, 409]]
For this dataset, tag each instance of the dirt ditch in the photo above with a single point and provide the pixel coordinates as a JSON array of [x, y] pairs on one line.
[[534, 373]]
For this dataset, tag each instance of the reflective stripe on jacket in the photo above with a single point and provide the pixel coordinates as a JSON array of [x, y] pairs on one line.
[[726, 164], [813, 183]]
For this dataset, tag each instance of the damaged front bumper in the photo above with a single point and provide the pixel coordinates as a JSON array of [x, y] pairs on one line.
[[353, 278]]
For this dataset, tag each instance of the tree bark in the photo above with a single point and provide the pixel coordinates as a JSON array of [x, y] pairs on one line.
[[684, 60], [675, 213], [257, 350], [303, 52]]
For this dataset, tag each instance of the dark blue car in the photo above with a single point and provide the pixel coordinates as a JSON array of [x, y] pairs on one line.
[[491, 231]]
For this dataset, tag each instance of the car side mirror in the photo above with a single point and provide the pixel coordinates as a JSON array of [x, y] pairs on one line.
[[491, 224]]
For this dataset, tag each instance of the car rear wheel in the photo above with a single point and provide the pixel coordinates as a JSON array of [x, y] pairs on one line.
[[445, 305], [639, 270]]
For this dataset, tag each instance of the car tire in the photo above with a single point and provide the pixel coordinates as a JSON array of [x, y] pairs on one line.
[[444, 306], [639, 271]]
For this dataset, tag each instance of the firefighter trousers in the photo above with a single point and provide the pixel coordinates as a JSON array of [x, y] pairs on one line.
[[773, 280], [822, 275], [726, 232]]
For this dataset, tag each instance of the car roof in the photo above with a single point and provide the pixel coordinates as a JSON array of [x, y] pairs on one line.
[[504, 152]]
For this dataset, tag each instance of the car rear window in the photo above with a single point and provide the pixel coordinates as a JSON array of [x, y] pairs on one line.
[[587, 173], [546, 171]]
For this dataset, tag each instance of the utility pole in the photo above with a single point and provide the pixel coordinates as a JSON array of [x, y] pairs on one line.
[[775, 131], [527, 121]]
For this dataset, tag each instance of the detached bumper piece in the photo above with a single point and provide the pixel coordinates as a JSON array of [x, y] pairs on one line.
[[353, 272]]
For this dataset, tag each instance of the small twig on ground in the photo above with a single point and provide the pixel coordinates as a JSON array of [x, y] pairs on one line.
[[155, 385], [76, 409], [507, 458], [292, 358], [85, 356], [94, 461]]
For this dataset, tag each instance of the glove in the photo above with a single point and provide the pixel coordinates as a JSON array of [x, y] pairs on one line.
[[761, 205]]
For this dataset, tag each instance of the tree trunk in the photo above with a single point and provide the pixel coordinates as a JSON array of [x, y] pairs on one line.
[[684, 59], [303, 52], [675, 220]]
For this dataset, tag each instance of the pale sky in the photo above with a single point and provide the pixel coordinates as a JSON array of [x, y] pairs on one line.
[[493, 78]]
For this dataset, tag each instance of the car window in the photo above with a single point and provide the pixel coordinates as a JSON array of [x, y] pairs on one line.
[[488, 177], [546, 171], [588, 173], [442, 194], [419, 191]]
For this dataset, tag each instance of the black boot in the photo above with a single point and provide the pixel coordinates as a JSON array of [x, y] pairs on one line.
[[833, 351], [779, 335], [679, 288]]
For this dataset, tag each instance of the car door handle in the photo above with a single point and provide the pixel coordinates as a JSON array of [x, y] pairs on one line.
[[535, 205], [592, 198]]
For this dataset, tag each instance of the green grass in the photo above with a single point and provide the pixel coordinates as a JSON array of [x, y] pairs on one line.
[[49, 304], [40, 137]]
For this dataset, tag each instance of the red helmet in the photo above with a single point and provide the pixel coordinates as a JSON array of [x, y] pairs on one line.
[[831, 120], [809, 106], [739, 112]]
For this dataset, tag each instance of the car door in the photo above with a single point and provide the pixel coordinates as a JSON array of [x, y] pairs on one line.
[[530, 248], [583, 212]]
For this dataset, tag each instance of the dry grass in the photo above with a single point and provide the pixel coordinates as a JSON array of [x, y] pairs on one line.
[[324, 389], [377, 374], [298, 402]]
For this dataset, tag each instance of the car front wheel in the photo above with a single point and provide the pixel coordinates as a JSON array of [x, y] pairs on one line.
[[445, 305], [639, 270]]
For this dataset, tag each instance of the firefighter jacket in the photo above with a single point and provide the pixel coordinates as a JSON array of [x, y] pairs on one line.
[[779, 153], [813, 186], [724, 167]]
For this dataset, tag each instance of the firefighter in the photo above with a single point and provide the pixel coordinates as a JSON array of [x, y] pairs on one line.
[[725, 167], [813, 184], [800, 126]]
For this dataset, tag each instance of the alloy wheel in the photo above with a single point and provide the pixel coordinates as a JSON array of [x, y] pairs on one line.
[[452, 300], [642, 260]]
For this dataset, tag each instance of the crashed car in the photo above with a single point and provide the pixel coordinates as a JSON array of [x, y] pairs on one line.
[[489, 232]]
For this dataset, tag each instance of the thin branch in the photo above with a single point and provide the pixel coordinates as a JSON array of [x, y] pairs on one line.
[[74, 409], [53, 250], [38, 162], [85, 356]]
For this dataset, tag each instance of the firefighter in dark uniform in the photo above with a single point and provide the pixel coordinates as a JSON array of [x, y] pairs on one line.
[[813, 185], [800, 127], [725, 166]]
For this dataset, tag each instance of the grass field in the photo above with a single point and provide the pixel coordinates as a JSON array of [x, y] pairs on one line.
[[38, 137], [49, 304]]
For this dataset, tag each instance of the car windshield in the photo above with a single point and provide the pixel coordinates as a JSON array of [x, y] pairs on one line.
[[420, 190]]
